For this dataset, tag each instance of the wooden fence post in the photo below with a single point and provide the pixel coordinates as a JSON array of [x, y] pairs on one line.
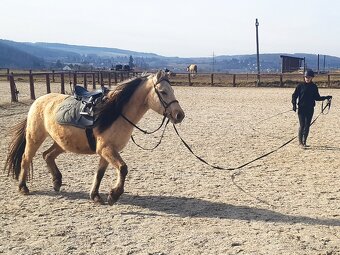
[[212, 79], [116, 78], [85, 80], [53, 80], [234, 80], [8, 74], [98, 77], [281, 80], [74, 78], [32, 85], [109, 79], [69, 76], [189, 77], [14, 92], [62, 83], [101, 79], [48, 84], [93, 80], [329, 80]]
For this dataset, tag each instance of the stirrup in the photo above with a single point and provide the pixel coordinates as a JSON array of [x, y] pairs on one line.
[[87, 110]]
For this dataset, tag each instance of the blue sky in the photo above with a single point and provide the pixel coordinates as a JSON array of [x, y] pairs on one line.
[[193, 28]]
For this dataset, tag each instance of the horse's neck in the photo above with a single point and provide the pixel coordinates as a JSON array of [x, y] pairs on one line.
[[137, 106]]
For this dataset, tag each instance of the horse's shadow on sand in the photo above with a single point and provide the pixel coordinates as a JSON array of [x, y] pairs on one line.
[[194, 207], [198, 208]]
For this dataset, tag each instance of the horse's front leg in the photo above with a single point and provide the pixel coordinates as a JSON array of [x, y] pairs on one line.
[[117, 162], [94, 194]]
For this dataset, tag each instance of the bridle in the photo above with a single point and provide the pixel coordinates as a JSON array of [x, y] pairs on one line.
[[161, 99], [165, 114]]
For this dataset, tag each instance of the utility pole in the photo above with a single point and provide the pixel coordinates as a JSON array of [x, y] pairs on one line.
[[257, 51], [213, 62]]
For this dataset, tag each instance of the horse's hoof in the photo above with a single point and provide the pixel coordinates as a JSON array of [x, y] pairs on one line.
[[56, 185], [24, 190], [97, 199], [111, 199]]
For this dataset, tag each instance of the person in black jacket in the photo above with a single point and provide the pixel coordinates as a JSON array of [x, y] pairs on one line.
[[306, 93]]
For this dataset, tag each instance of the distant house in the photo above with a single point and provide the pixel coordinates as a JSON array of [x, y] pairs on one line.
[[67, 68]]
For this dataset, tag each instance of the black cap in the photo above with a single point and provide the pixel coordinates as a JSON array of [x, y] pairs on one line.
[[309, 73]]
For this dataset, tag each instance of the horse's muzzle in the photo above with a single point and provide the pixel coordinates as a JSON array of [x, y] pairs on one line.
[[177, 117]]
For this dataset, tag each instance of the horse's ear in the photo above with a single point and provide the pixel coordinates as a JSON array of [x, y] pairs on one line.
[[158, 76]]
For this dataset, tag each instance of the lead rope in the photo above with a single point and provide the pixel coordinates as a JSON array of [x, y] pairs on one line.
[[329, 101], [247, 163]]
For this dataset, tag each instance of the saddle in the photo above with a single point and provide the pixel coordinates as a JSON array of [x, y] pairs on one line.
[[88, 98], [78, 110]]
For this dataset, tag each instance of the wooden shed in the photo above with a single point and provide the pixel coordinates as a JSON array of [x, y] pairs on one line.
[[291, 64]]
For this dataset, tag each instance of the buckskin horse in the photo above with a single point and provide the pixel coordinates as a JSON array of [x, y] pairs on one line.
[[116, 115]]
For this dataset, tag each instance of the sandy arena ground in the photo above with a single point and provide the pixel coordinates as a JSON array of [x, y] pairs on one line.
[[286, 203]]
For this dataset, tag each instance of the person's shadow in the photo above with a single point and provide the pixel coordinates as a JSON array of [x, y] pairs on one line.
[[323, 148]]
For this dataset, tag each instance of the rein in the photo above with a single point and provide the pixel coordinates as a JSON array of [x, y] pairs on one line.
[[159, 142], [142, 130]]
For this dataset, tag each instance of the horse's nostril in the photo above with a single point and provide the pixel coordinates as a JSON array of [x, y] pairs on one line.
[[179, 116]]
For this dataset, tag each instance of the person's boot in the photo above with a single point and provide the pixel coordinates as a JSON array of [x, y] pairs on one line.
[[300, 139], [304, 141]]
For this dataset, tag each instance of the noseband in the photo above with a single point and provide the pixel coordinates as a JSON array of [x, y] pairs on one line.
[[164, 104]]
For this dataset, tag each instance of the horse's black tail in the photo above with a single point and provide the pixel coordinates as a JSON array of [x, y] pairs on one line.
[[16, 149]]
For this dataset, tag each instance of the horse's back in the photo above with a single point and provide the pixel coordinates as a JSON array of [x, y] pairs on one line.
[[47, 104], [42, 109]]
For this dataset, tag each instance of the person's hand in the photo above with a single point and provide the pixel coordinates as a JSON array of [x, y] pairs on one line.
[[329, 97], [294, 108]]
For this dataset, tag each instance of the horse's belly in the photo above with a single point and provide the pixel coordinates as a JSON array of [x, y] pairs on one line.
[[70, 139]]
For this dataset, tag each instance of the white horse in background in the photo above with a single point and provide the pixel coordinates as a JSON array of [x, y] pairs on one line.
[[192, 69]]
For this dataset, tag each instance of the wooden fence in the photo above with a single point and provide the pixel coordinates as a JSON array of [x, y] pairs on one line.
[[85, 78], [253, 80], [109, 78]]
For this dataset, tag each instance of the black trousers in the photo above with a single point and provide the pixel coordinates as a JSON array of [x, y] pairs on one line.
[[305, 119]]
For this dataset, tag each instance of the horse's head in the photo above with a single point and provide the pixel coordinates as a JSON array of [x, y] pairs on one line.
[[162, 99]]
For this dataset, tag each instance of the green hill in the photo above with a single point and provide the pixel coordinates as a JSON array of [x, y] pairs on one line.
[[12, 57], [56, 55]]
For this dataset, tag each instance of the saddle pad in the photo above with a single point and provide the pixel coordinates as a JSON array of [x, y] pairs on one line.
[[69, 114]]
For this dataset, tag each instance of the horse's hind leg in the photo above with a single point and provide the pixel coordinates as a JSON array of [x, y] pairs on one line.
[[50, 155], [97, 179], [33, 143]]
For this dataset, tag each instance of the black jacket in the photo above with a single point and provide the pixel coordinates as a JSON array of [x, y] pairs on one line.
[[307, 95]]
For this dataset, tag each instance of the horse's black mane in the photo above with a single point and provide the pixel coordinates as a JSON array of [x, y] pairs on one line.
[[111, 108]]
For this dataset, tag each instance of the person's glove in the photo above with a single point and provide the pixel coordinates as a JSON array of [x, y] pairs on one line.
[[329, 97], [294, 107]]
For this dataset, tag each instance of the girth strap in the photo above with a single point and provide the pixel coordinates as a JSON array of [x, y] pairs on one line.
[[90, 138]]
